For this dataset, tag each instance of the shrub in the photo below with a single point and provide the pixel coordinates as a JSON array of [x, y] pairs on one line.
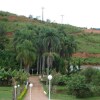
[[56, 76], [4, 19], [22, 94], [5, 77], [9, 77], [95, 83], [96, 78], [77, 86], [89, 73], [20, 76], [62, 67], [95, 90], [62, 80]]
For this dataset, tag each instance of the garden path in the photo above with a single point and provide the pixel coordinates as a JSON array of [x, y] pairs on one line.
[[37, 90]]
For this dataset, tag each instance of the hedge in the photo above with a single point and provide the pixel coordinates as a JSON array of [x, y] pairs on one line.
[[20, 97]]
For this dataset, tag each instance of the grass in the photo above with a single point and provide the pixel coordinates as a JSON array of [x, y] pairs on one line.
[[63, 95], [89, 60], [89, 43], [5, 93], [70, 97]]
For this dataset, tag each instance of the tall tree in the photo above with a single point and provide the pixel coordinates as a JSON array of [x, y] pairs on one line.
[[24, 46], [26, 53], [68, 46], [51, 43], [3, 38]]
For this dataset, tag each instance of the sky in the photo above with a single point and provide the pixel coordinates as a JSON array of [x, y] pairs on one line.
[[81, 13]]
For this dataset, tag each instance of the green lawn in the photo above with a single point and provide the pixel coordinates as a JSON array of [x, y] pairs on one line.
[[63, 95], [69, 97], [5, 93]]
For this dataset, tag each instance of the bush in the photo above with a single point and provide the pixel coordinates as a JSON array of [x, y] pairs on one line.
[[4, 19], [20, 76], [55, 79], [92, 76], [62, 80], [89, 73], [22, 94], [5, 77], [77, 86], [96, 78], [95, 90]]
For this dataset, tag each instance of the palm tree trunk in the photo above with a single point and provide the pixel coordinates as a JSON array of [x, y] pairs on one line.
[[51, 61], [48, 64], [43, 64], [20, 63], [38, 65], [27, 68]]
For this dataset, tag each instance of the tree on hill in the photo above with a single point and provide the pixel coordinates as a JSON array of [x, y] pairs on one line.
[[3, 38], [26, 53], [23, 43]]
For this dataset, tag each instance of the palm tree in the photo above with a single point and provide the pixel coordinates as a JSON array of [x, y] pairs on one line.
[[23, 42], [47, 42], [68, 47], [39, 48], [50, 40], [50, 58], [26, 53], [51, 43]]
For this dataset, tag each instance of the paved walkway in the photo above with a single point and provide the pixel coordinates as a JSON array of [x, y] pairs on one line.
[[37, 90]]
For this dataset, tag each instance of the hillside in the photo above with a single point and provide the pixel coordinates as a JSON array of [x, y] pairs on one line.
[[94, 31], [88, 47], [88, 43], [14, 22]]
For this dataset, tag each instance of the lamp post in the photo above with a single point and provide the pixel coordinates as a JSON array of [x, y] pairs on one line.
[[42, 13], [30, 85], [49, 78], [62, 19], [18, 89], [15, 88]]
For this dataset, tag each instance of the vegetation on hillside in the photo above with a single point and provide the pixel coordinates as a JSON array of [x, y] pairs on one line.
[[89, 43], [33, 43], [32, 39], [47, 48]]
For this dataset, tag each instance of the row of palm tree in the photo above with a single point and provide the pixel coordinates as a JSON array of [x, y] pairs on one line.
[[42, 44]]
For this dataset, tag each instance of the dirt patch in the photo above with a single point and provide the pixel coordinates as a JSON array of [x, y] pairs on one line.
[[85, 55], [92, 31], [9, 33], [12, 18]]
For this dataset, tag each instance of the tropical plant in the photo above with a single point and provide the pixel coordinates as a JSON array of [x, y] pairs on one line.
[[3, 38], [19, 77], [24, 48], [68, 46], [26, 53], [89, 73], [78, 87]]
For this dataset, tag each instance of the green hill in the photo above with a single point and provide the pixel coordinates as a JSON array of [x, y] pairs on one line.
[[86, 42], [14, 22], [89, 43]]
